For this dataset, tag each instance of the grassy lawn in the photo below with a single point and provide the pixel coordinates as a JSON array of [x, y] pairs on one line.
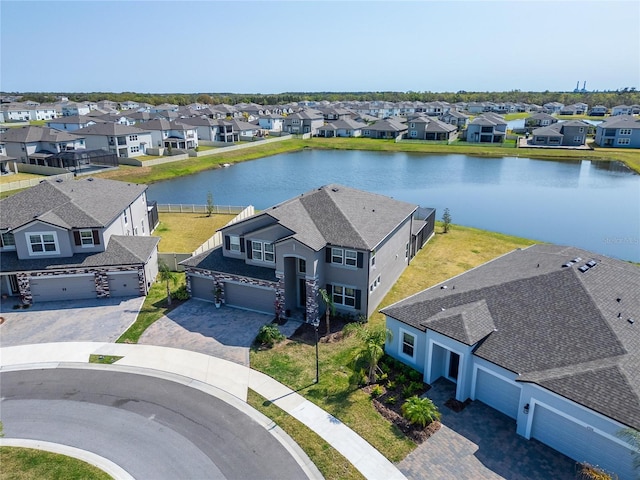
[[293, 364], [581, 117], [29, 464], [517, 116], [153, 308], [184, 232], [331, 464], [16, 177]]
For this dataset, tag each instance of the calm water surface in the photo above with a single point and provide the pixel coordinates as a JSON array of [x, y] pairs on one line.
[[592, 205]]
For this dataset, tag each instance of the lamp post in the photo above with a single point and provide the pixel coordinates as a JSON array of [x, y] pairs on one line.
[[316, 323]]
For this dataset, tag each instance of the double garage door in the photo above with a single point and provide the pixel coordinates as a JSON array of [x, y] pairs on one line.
[[238, 295], [497, 393], [580, 442], [46, 289]]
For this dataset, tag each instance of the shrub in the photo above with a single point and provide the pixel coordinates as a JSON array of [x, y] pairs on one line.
[[420, 410], [383, 377], [392, 400], [589, 472], [401, 378], [181, 293], [415, 375], [269, 335], [376, 391], [411, 389], [391, 385]]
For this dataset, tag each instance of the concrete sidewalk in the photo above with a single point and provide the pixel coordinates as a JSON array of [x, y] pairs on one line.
[[220, 377]]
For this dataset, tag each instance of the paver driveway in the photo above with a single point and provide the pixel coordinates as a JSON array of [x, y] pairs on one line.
[[94, 320], [198, 326]]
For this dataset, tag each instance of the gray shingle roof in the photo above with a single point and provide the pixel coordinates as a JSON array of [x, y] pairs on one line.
[[556, 326], [214, 261], [621, 121], [69, 203], [36, 134], [109, 129]]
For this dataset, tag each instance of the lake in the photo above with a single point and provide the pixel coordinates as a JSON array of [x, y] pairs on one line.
[[591, 205]]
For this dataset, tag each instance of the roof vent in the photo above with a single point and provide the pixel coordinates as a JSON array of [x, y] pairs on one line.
[[583, 268], [89, 179], [630, 320], [576, 260], [443, 287], [58, 180], [592, 263]]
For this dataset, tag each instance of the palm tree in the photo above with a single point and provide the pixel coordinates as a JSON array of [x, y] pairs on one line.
[[166, 275], [330, 308], [373, 349], [633, 437], [420, 410]]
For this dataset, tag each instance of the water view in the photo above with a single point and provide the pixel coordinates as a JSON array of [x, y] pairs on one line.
[[591, 205]]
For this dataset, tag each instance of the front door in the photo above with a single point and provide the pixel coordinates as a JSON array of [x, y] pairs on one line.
[[302, 292], [454, 364]]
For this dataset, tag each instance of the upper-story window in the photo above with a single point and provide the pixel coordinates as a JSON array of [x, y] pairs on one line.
[[133, 138], [343, 256], [625, 131], [86, 238], [302, 265], [373, 259], [42, 243], [262, 251], [126, 217], [8, 241], [234, 243]]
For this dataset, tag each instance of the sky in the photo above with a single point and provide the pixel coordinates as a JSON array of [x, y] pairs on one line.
[[274, 46]]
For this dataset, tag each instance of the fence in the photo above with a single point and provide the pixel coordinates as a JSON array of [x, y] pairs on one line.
[[22, 167], [186, 208], [216, 239]]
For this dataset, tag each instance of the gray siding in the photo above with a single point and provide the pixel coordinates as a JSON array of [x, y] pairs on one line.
[[497, 393], [63, 241]]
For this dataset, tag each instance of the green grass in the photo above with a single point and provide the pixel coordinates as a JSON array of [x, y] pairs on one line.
[[517, 116], [154, 307], [104, 359], [29, 464], [184, 232], [16, 177], [293, 363], [331, 464]]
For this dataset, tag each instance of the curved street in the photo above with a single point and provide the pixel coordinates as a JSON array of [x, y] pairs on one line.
[[163, 429]]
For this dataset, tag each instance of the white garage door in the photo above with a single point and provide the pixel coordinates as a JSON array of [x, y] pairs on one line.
[[580, 442], [63, 288], [497, 393], [124, 284], [250, 298], [202, 288]]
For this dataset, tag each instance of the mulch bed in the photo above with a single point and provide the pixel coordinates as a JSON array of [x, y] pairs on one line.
[[306, 333]]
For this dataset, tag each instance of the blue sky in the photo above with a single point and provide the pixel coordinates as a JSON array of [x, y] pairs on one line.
[[275, 46]]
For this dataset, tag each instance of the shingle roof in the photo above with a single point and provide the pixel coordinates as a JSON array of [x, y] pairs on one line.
[[36, 134], [556, 326], [621, 121], [109, 129], [85, 203], [214, 261]]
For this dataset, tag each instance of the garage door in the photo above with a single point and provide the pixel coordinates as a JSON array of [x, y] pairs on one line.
[[63, 288], [497, 393], [580, 442], [124, 284], [202, 288], [250, 298]]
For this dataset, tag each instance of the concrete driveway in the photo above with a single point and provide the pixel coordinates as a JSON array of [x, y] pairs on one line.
[[199, 326], [94, 320]]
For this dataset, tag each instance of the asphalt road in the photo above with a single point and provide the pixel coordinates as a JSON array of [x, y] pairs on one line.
[[153, 428]]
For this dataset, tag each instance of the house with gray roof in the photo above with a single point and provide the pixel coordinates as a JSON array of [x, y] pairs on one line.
[[430, 128], [304, 121], [34, 145], [621, 131], [487, 128], [345, 127], [539, 119], [168, 133], [388, 128], [548, 335], [72, 122], [353, 243], [566, 134], [74, 239], [123, 140]]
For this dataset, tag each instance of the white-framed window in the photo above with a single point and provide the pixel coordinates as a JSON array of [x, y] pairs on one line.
[[412, 125], [42, 243], [406, 251], [134, 149], [413, 134], [344, 296], [262, 251], [375, 284], [133, 138], [8, 241], [577, 138], [234, 243], [126, 217], [625, 131], [86, 238], [373, 259], [342, 256], [407, 345], [142, 225], [624, 141]]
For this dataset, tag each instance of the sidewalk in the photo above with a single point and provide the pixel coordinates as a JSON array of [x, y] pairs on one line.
[[226, 380]]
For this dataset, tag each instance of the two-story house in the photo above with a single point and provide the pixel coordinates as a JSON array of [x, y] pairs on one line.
[[566, 134], [548, 335], [430, 128], [72, 122], [7, 163], [342, 128], [123, 140], [621, 131], [73, 239], [539, 119], [174, 134], [272, 122], [352, 243], [306, 121], [487, 128], [35, 144], [74, 108]]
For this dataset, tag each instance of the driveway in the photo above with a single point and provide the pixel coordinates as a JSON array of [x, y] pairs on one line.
[[94, 320], [481, 443], [223, 332]]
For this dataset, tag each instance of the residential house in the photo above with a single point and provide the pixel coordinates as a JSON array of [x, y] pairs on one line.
[[72, 122], [621, 131], [455, 118], [7, 163], [342, 128], [539, 119], [621, 110], [74, 108], [123, 140], [553, 107], [436, 109], [335, 113], [74, 239], [34, 145], [206, 128], [387, 128], [163, 108], [575, 109], [430, 128], [548, 335], [304, 121], [272, 122], [45, 111], [487, 128], [352, 243], [566, 134], [129, 105], [17, 112], [598, 111], [479, 107], [245, 129], [174, 134]]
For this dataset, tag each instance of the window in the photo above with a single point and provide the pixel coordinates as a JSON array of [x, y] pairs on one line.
[[625, 131], [344, 257], [373, 259], [86, 238], [142, 226], [375, 283], [406, 251], [234, 243], [126, 218], [578, 139], [344, 296], [8, 241], [408, 344], [134, 149], [133, 138], [581, 130], [412, 125], [42, 243], [624, 141], [366, 133], [413, 134], [262, 251], [302, 265]]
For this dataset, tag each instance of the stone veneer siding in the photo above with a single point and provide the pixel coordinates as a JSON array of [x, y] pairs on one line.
[[101, 280]]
